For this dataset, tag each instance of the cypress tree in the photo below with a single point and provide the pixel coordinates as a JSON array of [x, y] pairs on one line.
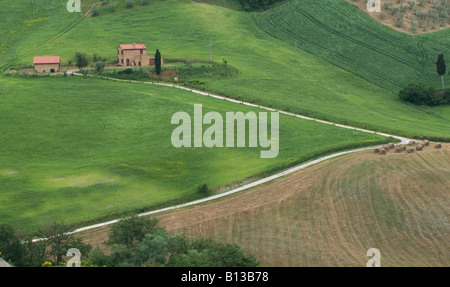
[[157, 62], [440, 66]]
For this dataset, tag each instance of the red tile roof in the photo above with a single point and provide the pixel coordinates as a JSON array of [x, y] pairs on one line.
[[133, 46], [46, 60]]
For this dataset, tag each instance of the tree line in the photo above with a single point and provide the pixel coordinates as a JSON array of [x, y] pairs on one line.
[[133, 242]]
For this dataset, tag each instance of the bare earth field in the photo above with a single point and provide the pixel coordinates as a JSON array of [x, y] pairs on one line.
[[332, 213]]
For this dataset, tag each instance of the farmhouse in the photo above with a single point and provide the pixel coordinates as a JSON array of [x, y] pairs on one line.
[[134, 55], [44, 64]]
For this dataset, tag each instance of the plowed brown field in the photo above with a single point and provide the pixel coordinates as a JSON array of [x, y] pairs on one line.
[[332, 213]]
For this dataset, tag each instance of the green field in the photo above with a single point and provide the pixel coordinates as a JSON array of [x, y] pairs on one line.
[[81, 150], [345, 36], [321, 82]]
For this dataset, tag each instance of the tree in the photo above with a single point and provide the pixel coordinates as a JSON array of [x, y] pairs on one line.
[[34, 253], [153, 249], [10, 247], [440, 67], [157, 62], [130, 231], [96, 58], [98, 258], [81, 60], [58, 241], [100, 66]]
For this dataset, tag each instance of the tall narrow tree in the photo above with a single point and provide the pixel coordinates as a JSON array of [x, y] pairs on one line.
[[157, 62], [440, 66]]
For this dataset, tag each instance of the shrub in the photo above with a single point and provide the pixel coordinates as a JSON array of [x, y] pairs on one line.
[[416, 93], [144, 2], [419, 94], [130, 4], [257, 5], [127, 71], [203, 189], [112, 7], [95, 12], [100, 66]]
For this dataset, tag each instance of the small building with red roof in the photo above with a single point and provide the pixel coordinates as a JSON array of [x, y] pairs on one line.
[[134, 55], [46, 64]]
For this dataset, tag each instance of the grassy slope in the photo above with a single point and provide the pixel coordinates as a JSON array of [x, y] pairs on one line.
[[268, 74], [25, 27], [77, 149], [340, 33]]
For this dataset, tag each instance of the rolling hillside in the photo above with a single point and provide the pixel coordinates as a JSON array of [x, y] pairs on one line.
[[330, 82], [76, 156], [84, 150]]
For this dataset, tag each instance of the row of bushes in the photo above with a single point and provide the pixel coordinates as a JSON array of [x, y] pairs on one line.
[[420, 94], [258, 5]]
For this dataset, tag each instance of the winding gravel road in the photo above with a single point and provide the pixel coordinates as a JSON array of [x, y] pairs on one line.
[[255, 183]]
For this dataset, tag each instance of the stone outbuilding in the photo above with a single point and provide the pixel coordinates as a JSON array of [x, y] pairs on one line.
[[135, 55], [46, 64]]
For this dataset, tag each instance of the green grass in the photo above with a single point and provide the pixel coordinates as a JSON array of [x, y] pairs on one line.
[[80, 150], [268, 73], [345, 36]]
